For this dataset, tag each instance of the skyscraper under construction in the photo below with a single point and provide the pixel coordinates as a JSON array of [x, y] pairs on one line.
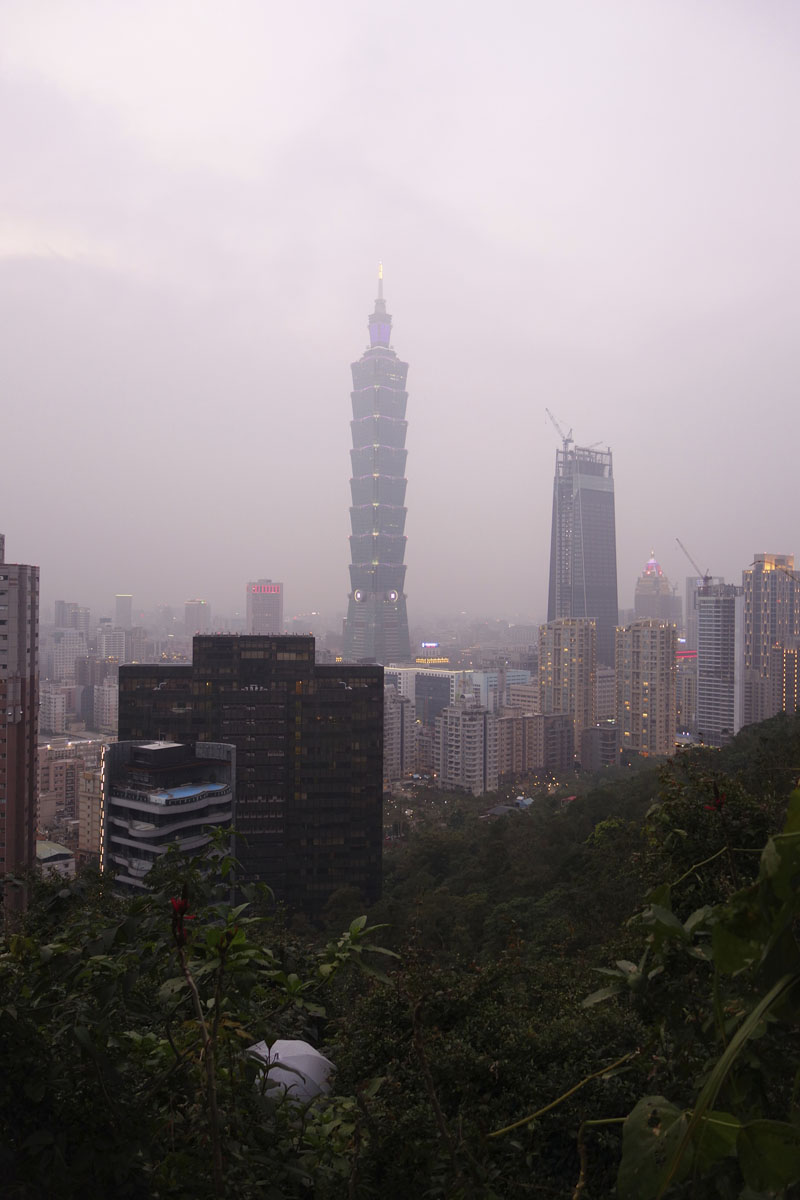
[[377, 622], [583, 546]]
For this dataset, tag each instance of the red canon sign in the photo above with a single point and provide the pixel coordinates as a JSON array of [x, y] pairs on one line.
[[272, 588]]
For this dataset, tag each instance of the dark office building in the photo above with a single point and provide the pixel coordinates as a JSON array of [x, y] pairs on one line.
[[19, 716], [309, 754], [377, 622], [583, 545]]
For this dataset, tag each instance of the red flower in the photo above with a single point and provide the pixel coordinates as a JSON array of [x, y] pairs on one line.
[[718, 803], [179, 915]]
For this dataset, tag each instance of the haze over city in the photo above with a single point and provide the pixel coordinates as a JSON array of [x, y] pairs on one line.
[[585, 207]]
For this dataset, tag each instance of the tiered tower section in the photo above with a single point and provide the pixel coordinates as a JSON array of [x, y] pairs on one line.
[[377, 622]]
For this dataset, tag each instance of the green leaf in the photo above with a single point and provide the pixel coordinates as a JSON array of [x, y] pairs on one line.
[[792, 824], [780, 863], [83, 1038], [769, 1155], [667, 920], [697, 918], [651, 1136], [170, 987], [731, 953], [660, 895], [714, 1139], [357, 925], [711, 1088], [372, 1087], [603, 994], [375, 972]]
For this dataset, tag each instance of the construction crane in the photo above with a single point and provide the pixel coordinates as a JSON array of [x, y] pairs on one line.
[[704, 575], [565, 439]]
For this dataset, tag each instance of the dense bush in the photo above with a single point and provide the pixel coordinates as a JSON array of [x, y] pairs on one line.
[[588, 998]]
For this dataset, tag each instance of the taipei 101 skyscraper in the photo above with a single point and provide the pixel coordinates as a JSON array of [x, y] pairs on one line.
[[377, 623]]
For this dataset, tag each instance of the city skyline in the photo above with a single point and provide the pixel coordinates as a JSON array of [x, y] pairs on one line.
[[179, 281]]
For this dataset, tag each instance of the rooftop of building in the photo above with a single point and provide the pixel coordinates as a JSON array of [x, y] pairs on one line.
[[52, 851], [652, 567], [184, 791]]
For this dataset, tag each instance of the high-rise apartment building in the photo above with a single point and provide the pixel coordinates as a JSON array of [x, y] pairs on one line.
[[61, 765], [686, 691], [399, 743], [52, 708], [19, 714], [264, 607], [105, 707], [568, 671], [309, 754], [720, 662], [490, 688], [111, 643], [654, 596], [784, 675], [377, 621], [771, 623], [646, 687], [160, 794], [606, 707], [197, 616], [69, 615], [600, 746], [529, 742], [89, 810], [583, 544], [123, 611], [465, 747], [69, 645]]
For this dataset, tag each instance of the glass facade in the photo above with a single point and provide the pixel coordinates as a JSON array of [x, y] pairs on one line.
[[583, 545]]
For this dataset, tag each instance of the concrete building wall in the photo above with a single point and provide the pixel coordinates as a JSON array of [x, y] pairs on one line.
[[568, 671], [466, 748], [399, 751], [720, 663], [646, 687]]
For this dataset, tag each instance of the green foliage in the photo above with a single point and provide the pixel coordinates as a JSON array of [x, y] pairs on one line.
[[592, 999], [751, 964], [124, 1036]]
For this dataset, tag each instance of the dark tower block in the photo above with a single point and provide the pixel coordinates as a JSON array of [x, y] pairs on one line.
[[583, 546], [377, 622], [308, 742]]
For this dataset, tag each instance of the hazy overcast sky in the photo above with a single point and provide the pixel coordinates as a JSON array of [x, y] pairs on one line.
[[587, 205]]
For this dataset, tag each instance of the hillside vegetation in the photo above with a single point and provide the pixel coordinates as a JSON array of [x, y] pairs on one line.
[[588, 999]]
